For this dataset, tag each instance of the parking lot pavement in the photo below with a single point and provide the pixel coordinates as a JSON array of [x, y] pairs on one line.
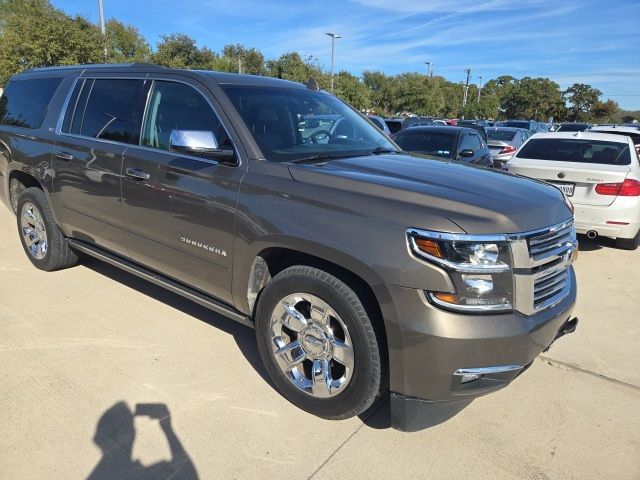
[[83, 350]]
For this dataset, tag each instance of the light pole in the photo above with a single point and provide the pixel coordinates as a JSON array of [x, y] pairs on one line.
[[466, 87], [429, 68], [333, 53], [479, 87], [102, 27]]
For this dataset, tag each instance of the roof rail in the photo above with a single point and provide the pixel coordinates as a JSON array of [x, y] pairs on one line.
[[91, 66]]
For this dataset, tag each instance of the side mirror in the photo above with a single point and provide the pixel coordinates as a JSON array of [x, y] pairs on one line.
[[199, 143], [466, 153]]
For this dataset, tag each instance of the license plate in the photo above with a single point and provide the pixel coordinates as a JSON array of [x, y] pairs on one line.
[[565, 187]]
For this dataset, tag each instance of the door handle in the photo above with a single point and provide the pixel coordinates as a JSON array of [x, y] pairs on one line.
[[137, 174], [64, 156]]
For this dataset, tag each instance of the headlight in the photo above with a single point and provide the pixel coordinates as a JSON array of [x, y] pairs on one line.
[[479, 267]]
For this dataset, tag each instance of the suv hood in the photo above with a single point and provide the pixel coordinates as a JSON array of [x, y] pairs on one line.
[[478, 200]]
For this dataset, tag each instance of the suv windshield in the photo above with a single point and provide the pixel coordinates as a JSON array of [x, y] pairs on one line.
[[580, 151], [295, 124]]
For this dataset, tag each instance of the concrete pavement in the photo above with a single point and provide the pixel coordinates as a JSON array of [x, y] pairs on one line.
[[84, 351]]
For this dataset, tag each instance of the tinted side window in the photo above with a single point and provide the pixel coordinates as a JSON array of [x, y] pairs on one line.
[[176, 106], [475, 141], [466, 143], [377, 123], [24, 102], [108, 109]]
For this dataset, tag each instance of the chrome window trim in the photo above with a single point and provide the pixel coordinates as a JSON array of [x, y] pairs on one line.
[[58, 130]]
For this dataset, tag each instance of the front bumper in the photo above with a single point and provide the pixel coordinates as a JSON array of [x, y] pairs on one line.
[[440, 347], [429, 345]]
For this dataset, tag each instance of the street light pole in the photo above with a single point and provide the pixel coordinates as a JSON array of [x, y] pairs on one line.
[[333, 53], [102, 27], [479, 87], [429, 71], [466, 87]]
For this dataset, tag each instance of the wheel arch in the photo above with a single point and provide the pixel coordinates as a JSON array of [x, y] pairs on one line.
[[271, 260]]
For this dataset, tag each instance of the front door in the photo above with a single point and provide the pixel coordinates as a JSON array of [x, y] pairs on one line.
[[180, 209]]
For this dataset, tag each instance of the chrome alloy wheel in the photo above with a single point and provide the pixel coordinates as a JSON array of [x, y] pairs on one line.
[[311, 344], [33, 230]]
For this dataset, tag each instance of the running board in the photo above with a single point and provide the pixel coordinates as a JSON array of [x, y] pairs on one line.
[[171, 285]]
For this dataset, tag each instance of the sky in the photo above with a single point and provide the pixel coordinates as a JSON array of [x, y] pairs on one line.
[[588, 41]]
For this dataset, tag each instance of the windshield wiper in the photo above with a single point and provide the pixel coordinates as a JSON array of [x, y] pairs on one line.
[[381, 150], [319, 157]]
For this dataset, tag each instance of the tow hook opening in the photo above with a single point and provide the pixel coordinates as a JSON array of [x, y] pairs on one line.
[[567, 327]]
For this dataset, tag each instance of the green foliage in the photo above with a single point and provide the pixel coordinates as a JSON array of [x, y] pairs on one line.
[[180, 51], [251, 60], [582, 98], [532, 98], [33, 33], [125, 44], [352, 90]]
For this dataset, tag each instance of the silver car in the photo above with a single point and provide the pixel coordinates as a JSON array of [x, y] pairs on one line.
[[598, 172], [503, 142]]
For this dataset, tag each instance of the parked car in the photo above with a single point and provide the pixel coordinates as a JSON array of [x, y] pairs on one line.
[[380, 123], [503, 143], [573, 127], [526, 124], [453, 143], [417, 122], [631, 132], [362, 270], [480, 126], [599, 172], [394, 124]]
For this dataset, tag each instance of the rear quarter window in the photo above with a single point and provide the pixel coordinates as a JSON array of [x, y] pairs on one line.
[[578, 151], [24, 102]]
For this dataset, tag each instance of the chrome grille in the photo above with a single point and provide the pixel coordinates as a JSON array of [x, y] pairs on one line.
[[551, 243], [543, 259], [550, 288]]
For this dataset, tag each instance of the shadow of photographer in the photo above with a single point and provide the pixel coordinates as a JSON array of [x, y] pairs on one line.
[[115, 435]]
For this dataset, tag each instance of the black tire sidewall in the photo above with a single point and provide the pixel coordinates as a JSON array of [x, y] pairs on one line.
[[362, 383], [36, 197]]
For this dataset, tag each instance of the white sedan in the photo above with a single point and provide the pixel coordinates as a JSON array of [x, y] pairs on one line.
[[598, 172]]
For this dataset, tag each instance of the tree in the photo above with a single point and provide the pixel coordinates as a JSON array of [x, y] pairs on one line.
[[291, 66], [534, 98], [180, 51], [419, 94], [125, 43], [251, 59], [35, 34], [352, 90], [582, 99], [383, 92], [605, 111]]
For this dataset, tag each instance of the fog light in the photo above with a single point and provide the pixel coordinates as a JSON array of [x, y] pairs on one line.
[[470, 377]]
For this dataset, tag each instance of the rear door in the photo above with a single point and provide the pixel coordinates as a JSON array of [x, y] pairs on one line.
[[103, 117], [575, 166]]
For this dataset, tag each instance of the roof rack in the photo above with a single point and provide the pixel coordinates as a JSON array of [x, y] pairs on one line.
[[91, 66]]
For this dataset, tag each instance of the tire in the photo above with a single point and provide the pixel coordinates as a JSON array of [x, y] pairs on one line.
[[324, 340], [628, 243], [41, 238]]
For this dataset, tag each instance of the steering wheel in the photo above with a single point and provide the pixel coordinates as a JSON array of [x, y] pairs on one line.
[[315, 136]]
